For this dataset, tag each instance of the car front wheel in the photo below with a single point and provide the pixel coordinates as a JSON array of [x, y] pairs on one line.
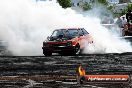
[[76, 49], [47, 53]]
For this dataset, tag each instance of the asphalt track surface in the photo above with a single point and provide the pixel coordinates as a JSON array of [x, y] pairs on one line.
[[60, 71]]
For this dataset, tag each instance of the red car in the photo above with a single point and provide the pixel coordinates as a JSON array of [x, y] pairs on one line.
[[66, 41]]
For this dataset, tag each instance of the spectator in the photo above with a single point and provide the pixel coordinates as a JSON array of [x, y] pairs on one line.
[[111, 20], [129, 16], [104, 20], [78, 4], [124, 22], [119, 22]]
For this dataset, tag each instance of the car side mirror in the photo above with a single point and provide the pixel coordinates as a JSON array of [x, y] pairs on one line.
[[48, 38]]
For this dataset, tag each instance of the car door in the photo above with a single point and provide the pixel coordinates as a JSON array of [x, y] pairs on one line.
[[88, 38]]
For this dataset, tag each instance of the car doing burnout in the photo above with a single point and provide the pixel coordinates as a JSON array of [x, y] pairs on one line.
[[66, 41]]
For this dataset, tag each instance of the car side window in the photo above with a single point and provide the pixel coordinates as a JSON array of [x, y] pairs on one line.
[[85, 32], [81, 32]]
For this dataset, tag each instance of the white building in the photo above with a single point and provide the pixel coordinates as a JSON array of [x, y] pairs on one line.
[[110, 1], [119, 7], [113, 1], [75, 2]]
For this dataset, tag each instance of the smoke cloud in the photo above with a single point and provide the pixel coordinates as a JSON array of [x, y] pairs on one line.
[[25, 24]]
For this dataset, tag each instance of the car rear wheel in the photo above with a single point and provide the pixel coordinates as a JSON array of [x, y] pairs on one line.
[[81, 51]]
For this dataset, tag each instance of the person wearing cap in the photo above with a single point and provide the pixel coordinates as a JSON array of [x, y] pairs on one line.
[[124, 22]]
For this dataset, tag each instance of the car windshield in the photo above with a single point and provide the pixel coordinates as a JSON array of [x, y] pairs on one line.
[[72, 32], [57, 33], [65, 33]]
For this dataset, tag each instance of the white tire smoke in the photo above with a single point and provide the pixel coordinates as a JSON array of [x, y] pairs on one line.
[[25, 24]]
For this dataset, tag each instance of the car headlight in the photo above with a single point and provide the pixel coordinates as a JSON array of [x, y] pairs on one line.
[[69, 43], [45, 44]]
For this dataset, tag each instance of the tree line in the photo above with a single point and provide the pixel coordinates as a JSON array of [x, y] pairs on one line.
[[87, 6]]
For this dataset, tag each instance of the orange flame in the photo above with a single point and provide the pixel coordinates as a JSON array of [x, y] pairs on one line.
[[81, 71]]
